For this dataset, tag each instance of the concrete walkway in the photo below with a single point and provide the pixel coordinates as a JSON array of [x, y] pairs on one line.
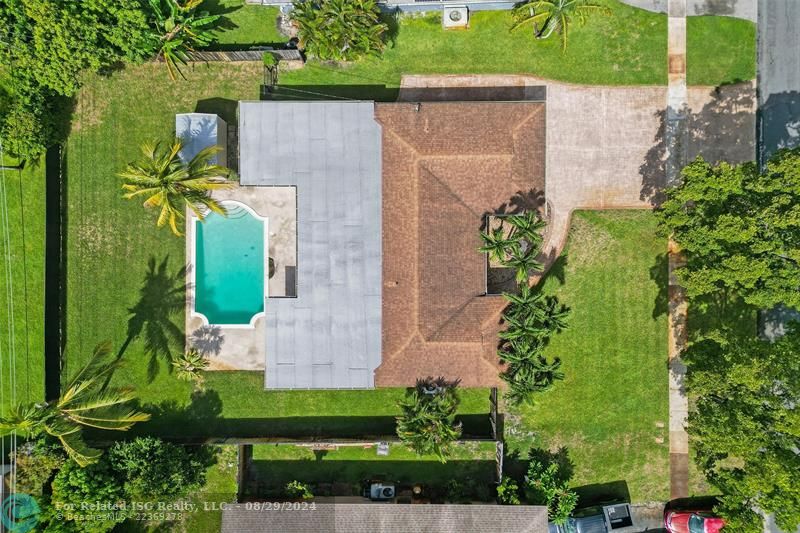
[[744, 9], [677, 144]]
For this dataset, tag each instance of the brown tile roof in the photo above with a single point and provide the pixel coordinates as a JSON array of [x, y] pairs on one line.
[[446, 165]]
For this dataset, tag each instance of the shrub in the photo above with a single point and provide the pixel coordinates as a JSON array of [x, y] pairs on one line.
[[74, 486], [339, 30], [298, 489], [428, 424], [547, 485], [508, 492], [26, 131], [36, 462], [152, 468]]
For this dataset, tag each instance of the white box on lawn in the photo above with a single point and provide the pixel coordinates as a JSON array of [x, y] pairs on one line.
[[200, 130]]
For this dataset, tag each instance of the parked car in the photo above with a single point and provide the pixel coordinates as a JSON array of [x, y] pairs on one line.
[[692, 521], [600, 519]]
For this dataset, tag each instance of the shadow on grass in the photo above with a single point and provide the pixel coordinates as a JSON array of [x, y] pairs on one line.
[[659, 274], [376, 92], [202, 419], [161, 297], [223, 107]]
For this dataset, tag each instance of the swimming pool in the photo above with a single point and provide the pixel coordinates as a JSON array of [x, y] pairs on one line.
[[229, 265]]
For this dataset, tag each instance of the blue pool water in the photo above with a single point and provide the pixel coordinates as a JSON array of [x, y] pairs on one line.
[[230, 267]]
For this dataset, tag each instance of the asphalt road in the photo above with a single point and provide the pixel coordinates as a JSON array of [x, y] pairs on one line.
[[778, 75]]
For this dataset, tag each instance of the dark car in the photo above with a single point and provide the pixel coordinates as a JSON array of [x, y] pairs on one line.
[[596, 520]]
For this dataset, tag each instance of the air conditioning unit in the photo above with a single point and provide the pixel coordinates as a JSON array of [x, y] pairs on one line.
[[455, 17], [379, 491]]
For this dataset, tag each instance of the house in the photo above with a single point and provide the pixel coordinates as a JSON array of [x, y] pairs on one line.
[[374, 212], [401, 518]]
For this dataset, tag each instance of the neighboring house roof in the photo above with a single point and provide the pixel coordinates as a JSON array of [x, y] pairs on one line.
[[388, 518], [329, 336], [199, 131], [445, 166]]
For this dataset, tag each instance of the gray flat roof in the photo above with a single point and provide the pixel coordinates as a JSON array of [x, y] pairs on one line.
[[329, 336], [389, 518]]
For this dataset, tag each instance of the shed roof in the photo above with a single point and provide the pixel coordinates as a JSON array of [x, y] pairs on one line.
[[389, 518], [329, 336], [199, 131]]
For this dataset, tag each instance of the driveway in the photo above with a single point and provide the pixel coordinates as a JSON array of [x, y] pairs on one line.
[[778, 75], [744, 9], [605, 145]]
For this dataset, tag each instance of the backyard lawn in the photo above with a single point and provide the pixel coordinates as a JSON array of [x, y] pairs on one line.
[[22, 284], [611, 410], [627, 47], [471, 464]]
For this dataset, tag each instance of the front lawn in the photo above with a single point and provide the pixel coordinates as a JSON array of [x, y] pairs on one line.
[[611, 411], [720, 50], [22, 284]]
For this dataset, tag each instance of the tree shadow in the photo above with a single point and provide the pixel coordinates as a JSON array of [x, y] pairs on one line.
[[207, 339], [659, 274], [778, 124], [161, 297], [722, 129]]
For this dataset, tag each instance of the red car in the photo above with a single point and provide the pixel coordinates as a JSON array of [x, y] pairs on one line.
[[682, 521]]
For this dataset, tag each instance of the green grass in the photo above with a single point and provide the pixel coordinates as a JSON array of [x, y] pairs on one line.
[[244, 25], [720, 50], [629, 47], [22, 340], [275, 466], [608, 410]]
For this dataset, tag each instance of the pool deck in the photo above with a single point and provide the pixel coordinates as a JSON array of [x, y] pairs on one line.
[[244, 348]]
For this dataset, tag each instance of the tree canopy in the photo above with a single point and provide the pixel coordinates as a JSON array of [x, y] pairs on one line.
[[428, 423], [340, 30], [745, 426], [740, 229]]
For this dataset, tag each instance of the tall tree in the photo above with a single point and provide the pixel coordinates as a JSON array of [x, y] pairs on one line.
[[740, 229], [427, 424], [84, 402], [745, 427], [171, 185], [554, 16], [180, 27]]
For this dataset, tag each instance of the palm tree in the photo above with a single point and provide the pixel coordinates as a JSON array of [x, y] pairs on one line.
[[528, 227], [519, 350], [555, 315], [179, 29], [524, 262], [554, 16], [339, 30], [525, 303], [83, 403], [497, 245], [428, 424], [525, 378], [189, 366], [520, 328], [171, 185]]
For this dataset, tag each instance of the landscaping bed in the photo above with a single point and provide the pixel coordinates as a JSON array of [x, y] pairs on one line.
[[611, 410]]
